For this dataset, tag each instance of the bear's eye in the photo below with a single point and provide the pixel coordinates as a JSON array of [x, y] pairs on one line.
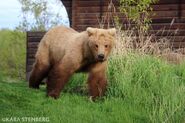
[[96, 46], [106, 46]]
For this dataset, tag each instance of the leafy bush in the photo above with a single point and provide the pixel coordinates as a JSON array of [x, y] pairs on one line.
[[40, 15], [137, 11], [13, 53]]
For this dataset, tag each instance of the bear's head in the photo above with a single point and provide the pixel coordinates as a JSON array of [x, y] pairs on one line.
[[101, 42]]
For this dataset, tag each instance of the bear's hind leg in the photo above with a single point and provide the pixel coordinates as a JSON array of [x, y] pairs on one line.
[[59, 76], [57, 79], [38, 73], [50, 84]]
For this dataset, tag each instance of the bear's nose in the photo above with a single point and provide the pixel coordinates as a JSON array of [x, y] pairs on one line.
[[100, 56]]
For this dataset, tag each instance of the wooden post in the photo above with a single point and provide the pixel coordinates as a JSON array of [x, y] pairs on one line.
[[74, 12], [68, 6]]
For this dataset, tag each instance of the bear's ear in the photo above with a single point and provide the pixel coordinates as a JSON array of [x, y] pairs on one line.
[[91, 31], [112, 31]]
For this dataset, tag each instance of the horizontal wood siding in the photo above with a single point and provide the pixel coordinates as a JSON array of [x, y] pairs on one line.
[[33, 39], [168, 20], [85, 11]]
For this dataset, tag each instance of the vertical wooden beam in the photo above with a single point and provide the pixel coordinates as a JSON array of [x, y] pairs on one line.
[[74, 13], [68, 6], [27, 76], [101, 9]]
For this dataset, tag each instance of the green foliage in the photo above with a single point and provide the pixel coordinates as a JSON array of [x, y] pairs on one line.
[[141, 89], [77, 84], [149, 83], [137, 11], [13, 54], [43, 18], [19, 101]]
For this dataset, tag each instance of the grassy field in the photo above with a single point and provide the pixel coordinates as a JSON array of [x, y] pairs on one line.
[[19, 101], [144, 90], [141, 89], [12, 54]]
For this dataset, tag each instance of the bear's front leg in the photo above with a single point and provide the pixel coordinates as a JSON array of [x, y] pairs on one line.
[[97, 83], [58, 77]]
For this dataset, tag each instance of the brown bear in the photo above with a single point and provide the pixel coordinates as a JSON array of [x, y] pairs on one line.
[[64, 51]]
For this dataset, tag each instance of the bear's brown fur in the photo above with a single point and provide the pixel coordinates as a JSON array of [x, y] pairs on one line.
[[64, 51]]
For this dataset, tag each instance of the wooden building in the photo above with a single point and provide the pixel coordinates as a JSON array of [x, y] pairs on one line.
[[169, 15]]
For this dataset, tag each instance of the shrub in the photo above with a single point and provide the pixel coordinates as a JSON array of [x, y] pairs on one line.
[[137, 11], [13, 53]]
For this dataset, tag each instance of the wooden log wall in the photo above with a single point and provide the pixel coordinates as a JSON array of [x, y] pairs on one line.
[[168, 20], [33, 39], [168, 16]]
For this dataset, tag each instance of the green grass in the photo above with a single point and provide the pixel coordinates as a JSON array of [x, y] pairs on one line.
[[69, 108], [13, 54], [149, 83], [141, 89]]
